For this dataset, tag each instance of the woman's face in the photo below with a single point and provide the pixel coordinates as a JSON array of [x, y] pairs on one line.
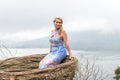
[[58, 23]]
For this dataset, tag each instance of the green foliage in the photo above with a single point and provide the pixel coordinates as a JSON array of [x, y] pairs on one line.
[[117, 73]]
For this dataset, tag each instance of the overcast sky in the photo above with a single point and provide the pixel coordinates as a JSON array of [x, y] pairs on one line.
[[31, 19]]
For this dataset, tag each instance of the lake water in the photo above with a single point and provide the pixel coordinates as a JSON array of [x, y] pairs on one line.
[[107, 61]]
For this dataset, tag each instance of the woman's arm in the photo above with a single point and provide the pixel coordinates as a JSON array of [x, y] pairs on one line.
[[66, 43], [50, 47], [51, 43]]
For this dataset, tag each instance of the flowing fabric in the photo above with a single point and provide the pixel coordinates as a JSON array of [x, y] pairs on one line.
[[57, 54]]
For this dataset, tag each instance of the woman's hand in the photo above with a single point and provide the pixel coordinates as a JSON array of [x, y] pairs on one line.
[[71, 56]]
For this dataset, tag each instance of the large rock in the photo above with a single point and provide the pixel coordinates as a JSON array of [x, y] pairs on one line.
[[26, 68]]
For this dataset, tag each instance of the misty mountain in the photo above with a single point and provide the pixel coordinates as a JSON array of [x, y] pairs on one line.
[[94, 40], [84, 40], [37, 43]]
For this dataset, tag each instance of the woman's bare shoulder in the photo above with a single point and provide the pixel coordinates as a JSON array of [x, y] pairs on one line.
[[52, 31], [64, 32]]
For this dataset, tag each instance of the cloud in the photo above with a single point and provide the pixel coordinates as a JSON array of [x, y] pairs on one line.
[[27, 35], [23, 17], [83, 24]]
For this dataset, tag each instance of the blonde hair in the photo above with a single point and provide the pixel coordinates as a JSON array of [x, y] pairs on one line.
[[60, 31], [58, 19]]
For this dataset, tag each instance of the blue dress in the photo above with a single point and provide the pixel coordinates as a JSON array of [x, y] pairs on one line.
[[57, 54]]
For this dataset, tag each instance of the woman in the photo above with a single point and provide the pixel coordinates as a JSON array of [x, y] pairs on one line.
[[58, 46]]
